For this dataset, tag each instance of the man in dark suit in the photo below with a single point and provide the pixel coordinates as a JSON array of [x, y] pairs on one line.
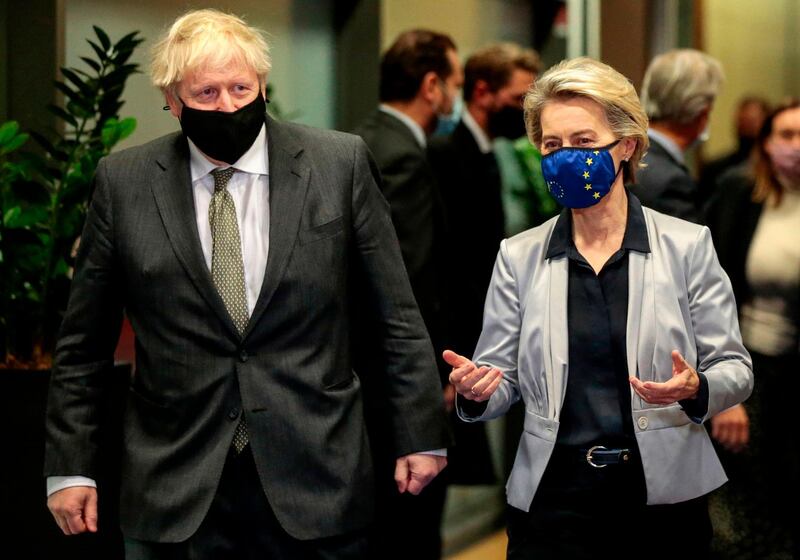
[[678, 94], [496, 79], [420, 78], [238, 250]]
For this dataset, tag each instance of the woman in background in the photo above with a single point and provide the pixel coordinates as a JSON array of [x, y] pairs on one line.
[[755, 223]]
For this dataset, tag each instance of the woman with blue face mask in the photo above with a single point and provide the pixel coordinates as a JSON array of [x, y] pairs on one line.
[[616, 327]]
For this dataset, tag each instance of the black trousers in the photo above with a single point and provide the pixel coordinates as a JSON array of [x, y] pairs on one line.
[[581, 512], [241, 525]]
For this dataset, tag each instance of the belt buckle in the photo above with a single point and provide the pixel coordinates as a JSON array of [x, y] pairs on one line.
[[589, 456]]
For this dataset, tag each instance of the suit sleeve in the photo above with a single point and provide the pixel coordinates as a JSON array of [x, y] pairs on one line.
[[410, 382], [85, 348], [721, 356], [498, 345]]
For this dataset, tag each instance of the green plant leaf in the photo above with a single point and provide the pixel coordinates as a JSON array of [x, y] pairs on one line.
[[71, 94], [101, 54], [8, 131], [63, 115], [49, 147], [104, 40], [11, 215], [72, 76], [79, 111], [110, 133], [91, 63], [126, 127], [15, 143]]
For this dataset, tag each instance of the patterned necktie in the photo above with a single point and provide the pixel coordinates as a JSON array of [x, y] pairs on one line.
[[227, 266]]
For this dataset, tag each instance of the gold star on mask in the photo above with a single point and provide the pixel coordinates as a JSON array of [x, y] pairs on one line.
[[596, 152], [589, 161], [585, 174], [588, 186], [596, 195]]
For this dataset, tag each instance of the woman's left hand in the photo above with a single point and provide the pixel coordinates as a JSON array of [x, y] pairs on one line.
[[684, 384]]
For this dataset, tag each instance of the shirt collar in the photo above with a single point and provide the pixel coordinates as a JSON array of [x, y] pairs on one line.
[[255, 160], [416, 129], [635, 238], [481, 138], [668, 144]]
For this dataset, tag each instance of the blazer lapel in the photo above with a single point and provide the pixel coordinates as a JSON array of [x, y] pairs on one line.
[[557, 331], [641, 334], [172, 190], [288, 182]]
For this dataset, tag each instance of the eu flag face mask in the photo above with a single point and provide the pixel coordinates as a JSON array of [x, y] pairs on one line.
[[580, 177]]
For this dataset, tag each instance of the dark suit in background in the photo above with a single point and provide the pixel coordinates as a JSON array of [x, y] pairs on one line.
[[665, 185], [332, 248], [471, 191], [410, 188]]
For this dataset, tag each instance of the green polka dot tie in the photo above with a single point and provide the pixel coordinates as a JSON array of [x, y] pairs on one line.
[[227, 267]]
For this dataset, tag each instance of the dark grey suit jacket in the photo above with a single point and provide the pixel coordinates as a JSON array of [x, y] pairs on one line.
[[410, 188], [666, 186], [333, 250]]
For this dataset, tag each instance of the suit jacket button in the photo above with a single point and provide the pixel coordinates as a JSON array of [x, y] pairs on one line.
[[243, 356], [643, 422], [233, 414]]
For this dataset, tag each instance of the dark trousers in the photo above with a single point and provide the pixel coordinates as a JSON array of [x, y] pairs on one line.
[[408, 527], [241, 525], [581, 512]]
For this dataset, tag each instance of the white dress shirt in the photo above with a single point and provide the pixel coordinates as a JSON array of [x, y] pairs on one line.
[[485, 145], [413, 125]]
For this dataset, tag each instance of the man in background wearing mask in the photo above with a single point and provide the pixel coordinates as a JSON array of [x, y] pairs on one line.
[[677, 94], [420, 78], [496, 79], [239, 249]]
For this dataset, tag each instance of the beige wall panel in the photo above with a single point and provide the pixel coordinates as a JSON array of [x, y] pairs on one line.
[[751, 40], [471, 23]]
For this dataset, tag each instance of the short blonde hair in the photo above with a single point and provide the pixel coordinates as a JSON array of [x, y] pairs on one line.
[[680, 84], [585, 77], [207, 39]]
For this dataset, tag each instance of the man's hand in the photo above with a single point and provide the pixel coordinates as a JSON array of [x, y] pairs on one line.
[[684, 384], [449, 398], [472, 382], [413, 472], [74, 509], [731, 428]]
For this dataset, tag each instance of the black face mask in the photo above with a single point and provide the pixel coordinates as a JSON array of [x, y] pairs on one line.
[[508, 122], [224, 136]]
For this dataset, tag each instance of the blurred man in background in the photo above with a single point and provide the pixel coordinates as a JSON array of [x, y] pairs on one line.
[[421, 77], [678, 94]]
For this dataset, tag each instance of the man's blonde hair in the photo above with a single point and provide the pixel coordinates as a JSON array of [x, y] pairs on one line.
[[207, 39], [585, 77]]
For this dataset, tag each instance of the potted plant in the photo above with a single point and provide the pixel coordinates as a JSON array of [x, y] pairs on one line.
[[43, 202]]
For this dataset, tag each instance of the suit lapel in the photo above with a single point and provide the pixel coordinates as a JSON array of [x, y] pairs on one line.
[[172, 190], [558, 333], [288, 183]]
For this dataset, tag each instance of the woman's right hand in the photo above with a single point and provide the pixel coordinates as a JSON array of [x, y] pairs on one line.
[[472, 382]]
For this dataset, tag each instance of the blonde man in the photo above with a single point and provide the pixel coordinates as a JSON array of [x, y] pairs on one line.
[[678, 93], [236, 247]]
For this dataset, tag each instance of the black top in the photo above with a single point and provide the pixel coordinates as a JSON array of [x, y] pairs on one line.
[[597, 405]]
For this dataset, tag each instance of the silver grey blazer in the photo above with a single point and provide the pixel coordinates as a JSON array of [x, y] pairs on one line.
[[679, 298]]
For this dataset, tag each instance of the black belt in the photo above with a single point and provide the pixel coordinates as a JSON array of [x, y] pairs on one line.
[[597, 456]]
